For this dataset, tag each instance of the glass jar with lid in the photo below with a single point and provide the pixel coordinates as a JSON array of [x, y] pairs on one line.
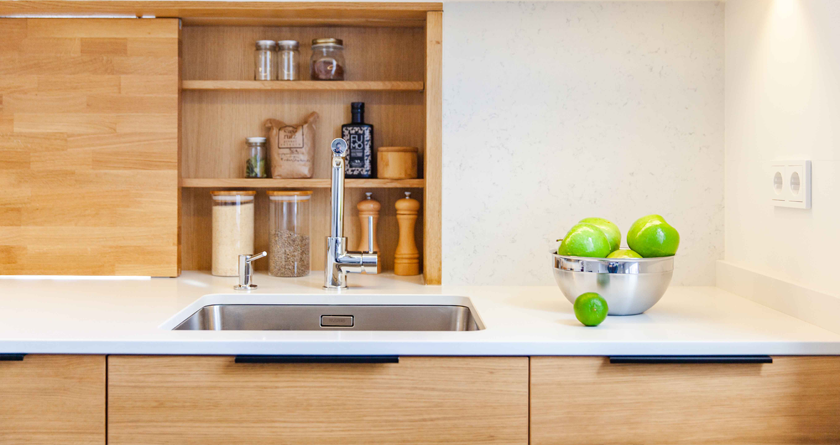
[[255, 165], [265, 66], [288, 237], [288, 60], [233, 230], [327, 61]]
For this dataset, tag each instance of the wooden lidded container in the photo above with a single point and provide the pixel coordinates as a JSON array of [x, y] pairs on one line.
[[397, 162]]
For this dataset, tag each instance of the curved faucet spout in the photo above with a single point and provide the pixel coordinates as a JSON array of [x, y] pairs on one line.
[[340, 261]]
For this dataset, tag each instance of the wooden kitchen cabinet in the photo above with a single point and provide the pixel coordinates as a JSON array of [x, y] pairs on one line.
[[587, 400], [89, 119], [53, 399], [420, 400]]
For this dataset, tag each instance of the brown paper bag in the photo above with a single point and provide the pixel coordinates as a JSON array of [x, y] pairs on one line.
[[292, 148]]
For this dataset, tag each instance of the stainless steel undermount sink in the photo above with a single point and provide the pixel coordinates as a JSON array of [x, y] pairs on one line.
[[317, 317]]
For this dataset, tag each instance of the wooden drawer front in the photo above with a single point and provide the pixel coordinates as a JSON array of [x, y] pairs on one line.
[[53, 399], [212, 400], [587, 400]]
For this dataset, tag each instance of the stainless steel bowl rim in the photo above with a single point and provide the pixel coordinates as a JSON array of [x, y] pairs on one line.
[[613, 265]]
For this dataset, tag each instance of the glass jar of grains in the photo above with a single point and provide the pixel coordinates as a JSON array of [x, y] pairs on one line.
[[288, 60], [265, 66], [233, 230], [288, 237], [327, 61]]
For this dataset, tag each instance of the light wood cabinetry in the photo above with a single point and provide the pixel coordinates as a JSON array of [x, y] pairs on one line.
[[587, 400], [89, 147], [53, 399], [421, 400], [112, 131]]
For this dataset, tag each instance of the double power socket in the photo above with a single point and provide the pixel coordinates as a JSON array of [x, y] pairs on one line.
[[791, 182]]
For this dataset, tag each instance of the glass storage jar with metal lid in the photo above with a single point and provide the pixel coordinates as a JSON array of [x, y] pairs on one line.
[[265, 66], [233, 230], [255, 165], [288, 60], [288, 237], [327, 61]]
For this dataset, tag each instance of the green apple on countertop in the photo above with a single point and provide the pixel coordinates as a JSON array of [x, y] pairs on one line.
[[591, 309]]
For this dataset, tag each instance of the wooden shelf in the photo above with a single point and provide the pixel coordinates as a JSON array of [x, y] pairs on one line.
[[298, 183], [300, 85]]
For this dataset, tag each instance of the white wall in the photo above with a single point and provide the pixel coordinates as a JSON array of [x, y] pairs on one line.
[[558, 111], [783, 101]]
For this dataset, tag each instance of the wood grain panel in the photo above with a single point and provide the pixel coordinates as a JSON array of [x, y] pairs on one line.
[[302, 85], [212, 400], [306, 184], [52, 399], [243, 13], [434, 149], [587, 400], [90, 169]]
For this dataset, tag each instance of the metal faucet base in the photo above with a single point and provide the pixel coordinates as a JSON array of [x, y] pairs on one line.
[[245, 287]]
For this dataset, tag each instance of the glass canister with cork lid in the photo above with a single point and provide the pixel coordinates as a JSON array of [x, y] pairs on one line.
[[233, 230], [288, 237]]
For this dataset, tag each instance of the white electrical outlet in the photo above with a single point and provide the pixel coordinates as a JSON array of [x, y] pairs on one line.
[[791, 184]]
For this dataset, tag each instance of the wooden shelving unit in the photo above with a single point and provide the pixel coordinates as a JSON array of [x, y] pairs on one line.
[[393, 66], [301, 85], [246, 183]]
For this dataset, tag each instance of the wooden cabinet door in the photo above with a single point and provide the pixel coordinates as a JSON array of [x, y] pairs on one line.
[[89, 146], [587, 400], [212, 400], [53, 399]]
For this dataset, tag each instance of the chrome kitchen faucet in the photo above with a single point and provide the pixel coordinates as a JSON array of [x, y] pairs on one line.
[[339, 261]]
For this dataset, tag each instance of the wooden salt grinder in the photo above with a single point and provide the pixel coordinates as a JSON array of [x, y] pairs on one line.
[[367, 208], [407, 258]]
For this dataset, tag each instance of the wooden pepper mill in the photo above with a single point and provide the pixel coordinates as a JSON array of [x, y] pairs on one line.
[[369, 207], [407, 258]]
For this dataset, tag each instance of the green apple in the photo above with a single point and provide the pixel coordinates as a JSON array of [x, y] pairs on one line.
[[611, 230], [623, 253], [650, 236], [585, 240]]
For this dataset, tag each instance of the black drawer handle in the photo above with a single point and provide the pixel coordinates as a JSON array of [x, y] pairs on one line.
[[11, 357], [698, 359], [337, 359]]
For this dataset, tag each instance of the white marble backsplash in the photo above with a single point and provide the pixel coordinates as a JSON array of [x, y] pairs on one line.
[[553, 112]]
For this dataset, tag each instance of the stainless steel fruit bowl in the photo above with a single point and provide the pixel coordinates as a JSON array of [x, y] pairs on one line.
[[630, 285]]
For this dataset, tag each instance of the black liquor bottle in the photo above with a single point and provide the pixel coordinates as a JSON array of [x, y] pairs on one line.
[[361, 161]]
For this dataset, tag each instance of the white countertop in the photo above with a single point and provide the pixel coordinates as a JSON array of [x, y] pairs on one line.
[[83, 316]]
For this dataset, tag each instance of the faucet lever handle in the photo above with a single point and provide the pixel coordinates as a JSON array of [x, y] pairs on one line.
[[252, 258], [370, 234]]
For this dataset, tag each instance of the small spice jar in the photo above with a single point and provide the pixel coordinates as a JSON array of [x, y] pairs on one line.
[[288, 60], [233, 230], [396, 162], [265, 65], [288, 237], [255, 165], [327, 61]]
